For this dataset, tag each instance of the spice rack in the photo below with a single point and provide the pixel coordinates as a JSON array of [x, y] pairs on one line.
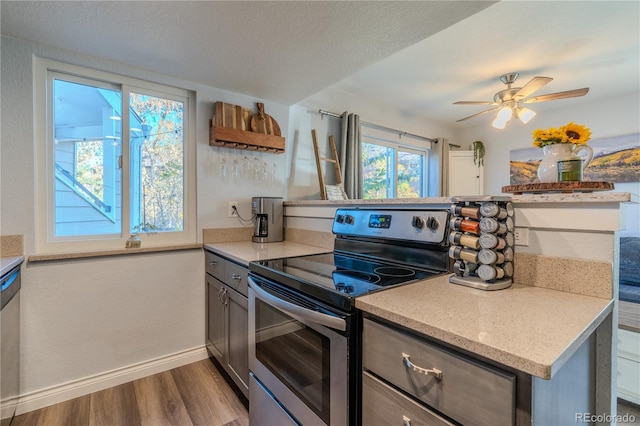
[[482, 242]]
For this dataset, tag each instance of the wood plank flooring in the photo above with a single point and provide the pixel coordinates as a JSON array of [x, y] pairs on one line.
[[195, 394]]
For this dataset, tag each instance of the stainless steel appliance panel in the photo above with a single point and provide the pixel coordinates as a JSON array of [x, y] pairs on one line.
[[267, 213], [298, 360], [265, 410]]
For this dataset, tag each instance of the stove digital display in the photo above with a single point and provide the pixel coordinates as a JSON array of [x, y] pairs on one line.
[[380, 221]]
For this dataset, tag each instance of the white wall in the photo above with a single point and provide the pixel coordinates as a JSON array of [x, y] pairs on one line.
[[91, 317], [609, 117]]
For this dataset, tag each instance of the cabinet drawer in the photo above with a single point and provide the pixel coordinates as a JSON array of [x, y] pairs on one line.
[[468, 391], [236, 277], [381, 404], [214, 265]]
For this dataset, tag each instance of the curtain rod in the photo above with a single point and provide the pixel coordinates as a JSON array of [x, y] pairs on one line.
[[399, 132]]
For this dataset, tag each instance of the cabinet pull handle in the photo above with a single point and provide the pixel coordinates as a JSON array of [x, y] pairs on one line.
[[219, 294], [225, 298], [213, 263], [236, 276], [406, 421], [427, 372]]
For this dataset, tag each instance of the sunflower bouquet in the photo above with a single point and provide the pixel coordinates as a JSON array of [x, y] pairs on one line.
[[569, 133]]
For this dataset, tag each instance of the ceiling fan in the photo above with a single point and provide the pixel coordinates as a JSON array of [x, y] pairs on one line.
[[509, 100]]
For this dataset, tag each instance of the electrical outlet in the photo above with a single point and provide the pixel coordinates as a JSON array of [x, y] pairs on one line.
[[231, 212], [521, 236]]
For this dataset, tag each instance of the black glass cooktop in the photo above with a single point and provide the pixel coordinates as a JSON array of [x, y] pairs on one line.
[[337, 278]]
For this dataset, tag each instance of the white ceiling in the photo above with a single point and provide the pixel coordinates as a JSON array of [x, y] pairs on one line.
[[419, 56]]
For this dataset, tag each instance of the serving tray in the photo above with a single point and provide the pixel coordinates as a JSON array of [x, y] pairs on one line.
[[564, 187]]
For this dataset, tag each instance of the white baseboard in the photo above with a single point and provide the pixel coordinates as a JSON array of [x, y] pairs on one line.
[[77, 388]]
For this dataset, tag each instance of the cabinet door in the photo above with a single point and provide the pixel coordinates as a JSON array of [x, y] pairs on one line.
[[465, 178], [238, 338], [216, 315]]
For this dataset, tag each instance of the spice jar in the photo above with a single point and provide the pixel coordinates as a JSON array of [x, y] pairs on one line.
[[463, 253], [490, 241], [489, 224], [489, 257], [491, 209], [465, 225], [489, 273], [466, 211], [464, 240]]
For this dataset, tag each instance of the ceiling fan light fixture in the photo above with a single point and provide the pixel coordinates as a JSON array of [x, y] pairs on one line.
[[525, 114], [503, 116]]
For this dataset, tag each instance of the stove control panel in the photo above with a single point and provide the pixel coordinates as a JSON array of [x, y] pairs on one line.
[[413, 225]]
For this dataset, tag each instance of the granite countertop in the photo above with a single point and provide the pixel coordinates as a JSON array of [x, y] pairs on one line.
[[550, 197], [7, 263], [531, 329], [246, 251]]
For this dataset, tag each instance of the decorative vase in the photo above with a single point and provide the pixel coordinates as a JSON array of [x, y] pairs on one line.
[[133, 241], [547, 170]]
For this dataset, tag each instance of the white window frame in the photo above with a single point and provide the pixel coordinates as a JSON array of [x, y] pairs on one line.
[[384, 138], [46, 242]]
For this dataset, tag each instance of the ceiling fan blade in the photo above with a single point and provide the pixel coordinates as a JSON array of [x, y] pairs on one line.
[[559, 95], [533, 85], [477, 114], [475, 103]]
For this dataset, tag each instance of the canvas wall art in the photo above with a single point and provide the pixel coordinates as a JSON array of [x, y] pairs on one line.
[[615, 159]]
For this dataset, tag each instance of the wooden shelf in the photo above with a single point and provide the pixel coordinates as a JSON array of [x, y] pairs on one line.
[[565, 187], [243, 139]]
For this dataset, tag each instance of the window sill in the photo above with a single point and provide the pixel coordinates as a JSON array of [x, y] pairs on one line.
[[105, 253]]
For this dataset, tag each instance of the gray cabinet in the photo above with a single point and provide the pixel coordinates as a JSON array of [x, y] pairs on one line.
[[227, 317], [216, 312], [382, 404], [435, 378]]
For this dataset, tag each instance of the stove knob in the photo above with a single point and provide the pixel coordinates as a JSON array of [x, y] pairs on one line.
[[417, 222], [348, 219], [340, 218], [432, 223]]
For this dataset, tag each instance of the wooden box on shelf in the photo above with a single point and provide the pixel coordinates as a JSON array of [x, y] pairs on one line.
[[244, 139]]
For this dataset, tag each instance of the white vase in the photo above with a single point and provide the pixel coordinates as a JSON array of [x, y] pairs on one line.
[[547, 171]]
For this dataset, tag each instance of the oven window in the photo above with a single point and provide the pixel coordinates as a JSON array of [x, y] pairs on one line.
[[296, 354]]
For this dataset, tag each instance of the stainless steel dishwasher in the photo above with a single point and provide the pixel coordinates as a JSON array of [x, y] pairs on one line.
[[9, 343]]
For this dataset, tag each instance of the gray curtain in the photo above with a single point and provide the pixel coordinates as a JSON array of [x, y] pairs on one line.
[[443, 158], [351, 155]]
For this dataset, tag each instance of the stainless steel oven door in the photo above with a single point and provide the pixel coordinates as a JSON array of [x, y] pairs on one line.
[[299, 356]]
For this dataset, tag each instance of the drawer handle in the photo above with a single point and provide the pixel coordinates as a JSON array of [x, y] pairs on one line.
[[406, 421], [433, 372], [213, 263], [236, 276]]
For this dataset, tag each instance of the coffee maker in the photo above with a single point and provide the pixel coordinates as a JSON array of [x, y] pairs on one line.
[[267, 217]]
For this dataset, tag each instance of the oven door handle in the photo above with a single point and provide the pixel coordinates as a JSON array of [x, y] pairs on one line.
[[296, 311]]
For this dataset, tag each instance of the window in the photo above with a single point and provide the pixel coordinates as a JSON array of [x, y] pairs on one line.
[[115, 156], [392, 170]]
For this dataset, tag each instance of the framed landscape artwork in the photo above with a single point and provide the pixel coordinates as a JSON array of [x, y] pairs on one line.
[[615, 159]]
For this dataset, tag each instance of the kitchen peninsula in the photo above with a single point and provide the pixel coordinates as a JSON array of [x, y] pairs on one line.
[[557, 319]]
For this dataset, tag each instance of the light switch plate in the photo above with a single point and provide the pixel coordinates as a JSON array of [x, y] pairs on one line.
[[521, 236]]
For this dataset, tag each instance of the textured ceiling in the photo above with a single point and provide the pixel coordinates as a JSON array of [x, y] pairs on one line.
[[283, 51], [593, 44], [419, 56]]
